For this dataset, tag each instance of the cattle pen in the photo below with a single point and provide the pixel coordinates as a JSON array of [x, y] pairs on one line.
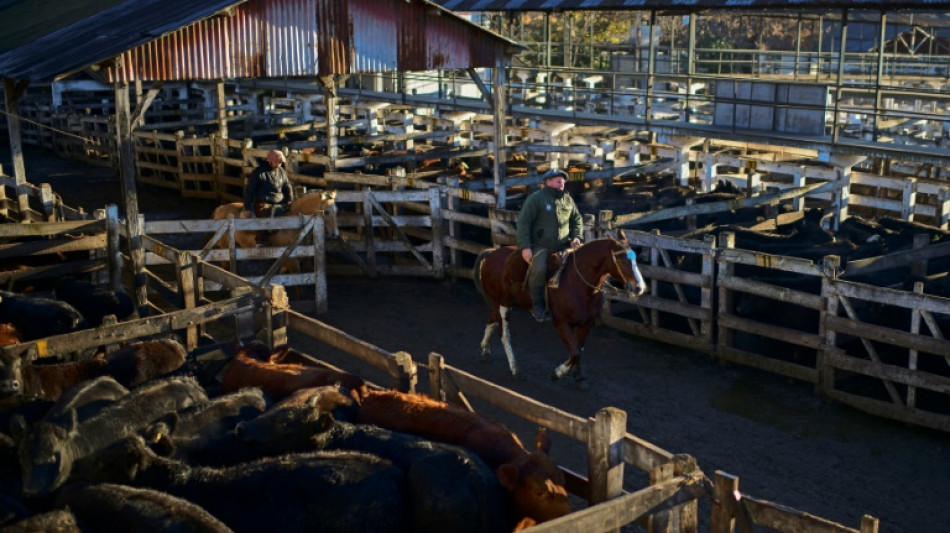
[[855, 333], [667, 503]]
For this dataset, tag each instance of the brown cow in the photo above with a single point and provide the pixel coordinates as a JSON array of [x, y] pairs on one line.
[[44, 381], [535, 484], [9, 335], [255, 366], [141, 361]]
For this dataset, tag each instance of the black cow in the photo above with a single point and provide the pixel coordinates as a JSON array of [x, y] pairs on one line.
[[450, 489], [58, 520], [86, 398], [110, 507], [332, 492], [94, 301], [203, 434], [38, 317], [47, 450]]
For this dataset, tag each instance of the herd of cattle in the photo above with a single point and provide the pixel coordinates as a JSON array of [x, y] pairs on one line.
[[71, 306], [140, 439]]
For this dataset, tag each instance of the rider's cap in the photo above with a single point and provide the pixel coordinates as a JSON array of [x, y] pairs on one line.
[[555, 173]]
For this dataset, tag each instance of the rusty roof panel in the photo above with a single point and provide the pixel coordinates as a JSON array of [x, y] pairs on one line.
[[259, 38], [306, 38], [669, 5]]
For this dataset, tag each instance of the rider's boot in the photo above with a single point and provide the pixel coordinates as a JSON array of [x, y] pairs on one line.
[[539, 310]]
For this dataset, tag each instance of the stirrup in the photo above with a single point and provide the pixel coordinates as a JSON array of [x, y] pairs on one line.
[[543, 316]]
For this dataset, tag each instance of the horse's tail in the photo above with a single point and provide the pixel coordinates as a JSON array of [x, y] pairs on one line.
[[477, 273]]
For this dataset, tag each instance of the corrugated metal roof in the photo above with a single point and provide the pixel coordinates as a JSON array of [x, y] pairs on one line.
[[668, 5], [156, 41], [102, 36], [36, 19]]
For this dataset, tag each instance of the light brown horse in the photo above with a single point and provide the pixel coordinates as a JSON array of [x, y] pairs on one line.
[[574, 304], [307, 204]]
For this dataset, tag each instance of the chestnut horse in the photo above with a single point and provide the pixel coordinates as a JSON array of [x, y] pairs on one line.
[[307, 204], [577, 300]]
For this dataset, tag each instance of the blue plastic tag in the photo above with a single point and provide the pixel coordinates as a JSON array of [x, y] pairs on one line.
[[632, 256]]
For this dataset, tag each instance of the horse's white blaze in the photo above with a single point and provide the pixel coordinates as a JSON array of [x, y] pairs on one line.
[[486, 338], [506, 339]]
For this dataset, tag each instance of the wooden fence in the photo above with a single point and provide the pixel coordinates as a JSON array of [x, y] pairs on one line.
[[45, 251], [879, 349], [42, 203]]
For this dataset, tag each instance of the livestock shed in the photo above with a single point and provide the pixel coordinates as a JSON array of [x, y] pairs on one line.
[[144, 41]]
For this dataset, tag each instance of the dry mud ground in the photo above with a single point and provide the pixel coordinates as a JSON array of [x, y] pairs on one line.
[[783, 442]]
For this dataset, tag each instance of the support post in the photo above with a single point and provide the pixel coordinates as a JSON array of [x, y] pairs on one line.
[[438, 231], [186, 287], [330, 101], [114, 261], [500, 134], [12, 92], [221, 104], [133, 225], [878, 109], [320, 265], [835, 130], [605, 454], [275, 307]]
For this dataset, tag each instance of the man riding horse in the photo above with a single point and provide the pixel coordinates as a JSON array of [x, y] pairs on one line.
[[548, 221], [268, 191]]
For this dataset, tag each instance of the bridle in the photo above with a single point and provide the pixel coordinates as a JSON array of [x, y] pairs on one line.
[[613, 256]]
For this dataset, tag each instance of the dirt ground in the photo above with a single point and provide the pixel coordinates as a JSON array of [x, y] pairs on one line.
[[783, 442]]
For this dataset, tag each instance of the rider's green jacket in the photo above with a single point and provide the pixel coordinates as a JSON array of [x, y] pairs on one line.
[[548, 219]]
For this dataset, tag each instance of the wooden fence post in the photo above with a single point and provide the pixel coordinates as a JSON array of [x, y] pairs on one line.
[[4, 211], [101, 277], [661, 522], [829, 293], [47, 202], [725, 488], [320, 264], [185, 270], [869, 524], [826, 373], [605, 463], [452, 204], [655, 260], [436, 369], [727, 239], [275, 307], [232, 246], [943, 208], [707, 291], [114, 259], [604, 219], [196, 263], [438, 231], [403, 373], [369, 241], [798, 180], [909, 197], [244, 321]]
